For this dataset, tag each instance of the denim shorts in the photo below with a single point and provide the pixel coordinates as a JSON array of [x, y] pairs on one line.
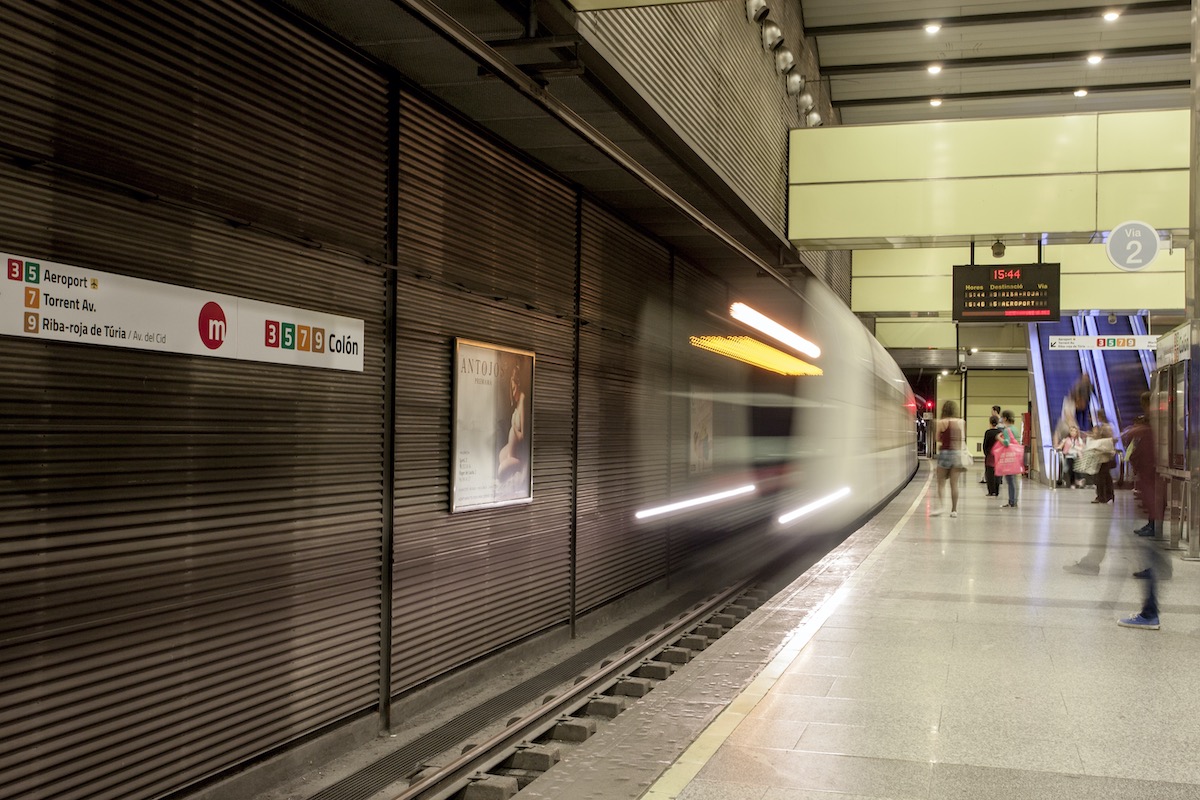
[[948, 459]]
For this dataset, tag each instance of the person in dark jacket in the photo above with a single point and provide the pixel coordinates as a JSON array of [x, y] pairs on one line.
[[1139, 445], [991, 492]]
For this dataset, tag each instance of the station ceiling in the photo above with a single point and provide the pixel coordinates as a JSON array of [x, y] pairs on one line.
[[999, 59], [520, 69]]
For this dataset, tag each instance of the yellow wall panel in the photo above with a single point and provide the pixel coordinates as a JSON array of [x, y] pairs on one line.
[[1122, 291], [928, 293], [909, 261], [946, 149], [949, 387], [941, 208], [916, 333], [928, 261], [1008, 389], [1144, 140], [1156, 198], [1091, 258]]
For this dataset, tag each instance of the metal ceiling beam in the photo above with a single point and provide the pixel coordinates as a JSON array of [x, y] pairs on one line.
[[461, 37], [1009, 18], [1000, 95], [1029, 59]]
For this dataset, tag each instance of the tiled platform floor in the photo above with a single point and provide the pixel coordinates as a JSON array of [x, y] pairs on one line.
[[937, 657]]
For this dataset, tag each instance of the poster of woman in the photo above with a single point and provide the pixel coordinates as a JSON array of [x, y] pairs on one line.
[[493, 426]]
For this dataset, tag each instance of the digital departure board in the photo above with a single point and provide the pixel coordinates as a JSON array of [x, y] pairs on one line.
[[1006, 293]]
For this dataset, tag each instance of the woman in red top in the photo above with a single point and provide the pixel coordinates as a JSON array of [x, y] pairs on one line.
[[951, 441]]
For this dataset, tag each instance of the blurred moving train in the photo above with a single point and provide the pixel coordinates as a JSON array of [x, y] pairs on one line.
[[796, 453]]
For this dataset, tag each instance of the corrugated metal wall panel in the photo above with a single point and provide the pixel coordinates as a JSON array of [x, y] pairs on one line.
[[832, 267], [624, 406], [487, 251], [190, 546], [703, 66], [158, 95]]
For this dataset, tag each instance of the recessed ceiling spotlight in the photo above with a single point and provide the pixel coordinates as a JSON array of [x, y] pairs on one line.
[[1081, 92], [1095, 59], [934, 69], [1111, 16], [932, 27], [935, 102]]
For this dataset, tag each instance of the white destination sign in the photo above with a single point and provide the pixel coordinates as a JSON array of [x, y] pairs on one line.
[[62, 303], [1103, 342]]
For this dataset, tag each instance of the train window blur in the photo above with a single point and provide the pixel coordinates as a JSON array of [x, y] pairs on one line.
[[771, 417]]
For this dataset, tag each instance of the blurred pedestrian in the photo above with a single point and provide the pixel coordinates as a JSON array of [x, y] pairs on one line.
[[989, 458], [1140, 451], [1140, 455], [1098, 547], [1075, 406], [951, 438], [1100, 439], [1009, 436]]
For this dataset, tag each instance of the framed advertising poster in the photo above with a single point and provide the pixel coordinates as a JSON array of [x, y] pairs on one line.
[[492, 433]]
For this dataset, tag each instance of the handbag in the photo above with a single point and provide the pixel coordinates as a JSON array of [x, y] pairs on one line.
[[964, 459], [1088, 462], [1009, 458]]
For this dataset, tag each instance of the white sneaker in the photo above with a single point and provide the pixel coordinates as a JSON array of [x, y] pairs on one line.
[[954, 513], [937, 512]]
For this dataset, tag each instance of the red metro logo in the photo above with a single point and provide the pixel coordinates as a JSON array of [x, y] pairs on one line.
[[212, 325]]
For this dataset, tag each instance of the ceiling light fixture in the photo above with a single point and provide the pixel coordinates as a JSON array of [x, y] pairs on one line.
[[756, 10], [934, 69], [1095, 59], [1081, 92], [794, 83], [932, 27], [1111, 16], [772, 35], [935, 102], [764, 324], [749, 350], [813, 120], [785, 62]]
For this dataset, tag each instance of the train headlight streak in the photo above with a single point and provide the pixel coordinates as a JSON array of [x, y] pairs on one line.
[[744, 313], [755, 353], [813, 506], [695, 501]]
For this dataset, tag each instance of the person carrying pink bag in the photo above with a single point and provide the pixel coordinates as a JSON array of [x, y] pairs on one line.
[[1010, 456]]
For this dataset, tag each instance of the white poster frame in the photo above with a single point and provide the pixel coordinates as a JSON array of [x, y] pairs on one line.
[[483, 387]]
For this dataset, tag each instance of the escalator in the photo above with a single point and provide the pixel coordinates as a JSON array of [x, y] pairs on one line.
[[1060, 368], [1126, 375], [1118, 376]]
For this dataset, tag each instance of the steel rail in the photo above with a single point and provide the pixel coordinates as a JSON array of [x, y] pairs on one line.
[[451, 778]]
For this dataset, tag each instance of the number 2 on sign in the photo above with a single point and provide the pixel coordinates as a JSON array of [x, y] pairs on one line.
[[1133, 247]]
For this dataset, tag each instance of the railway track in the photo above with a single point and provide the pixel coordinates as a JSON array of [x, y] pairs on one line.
[[531, 744]]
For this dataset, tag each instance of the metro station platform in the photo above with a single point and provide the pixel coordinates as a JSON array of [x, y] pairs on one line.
[[931, 657]]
